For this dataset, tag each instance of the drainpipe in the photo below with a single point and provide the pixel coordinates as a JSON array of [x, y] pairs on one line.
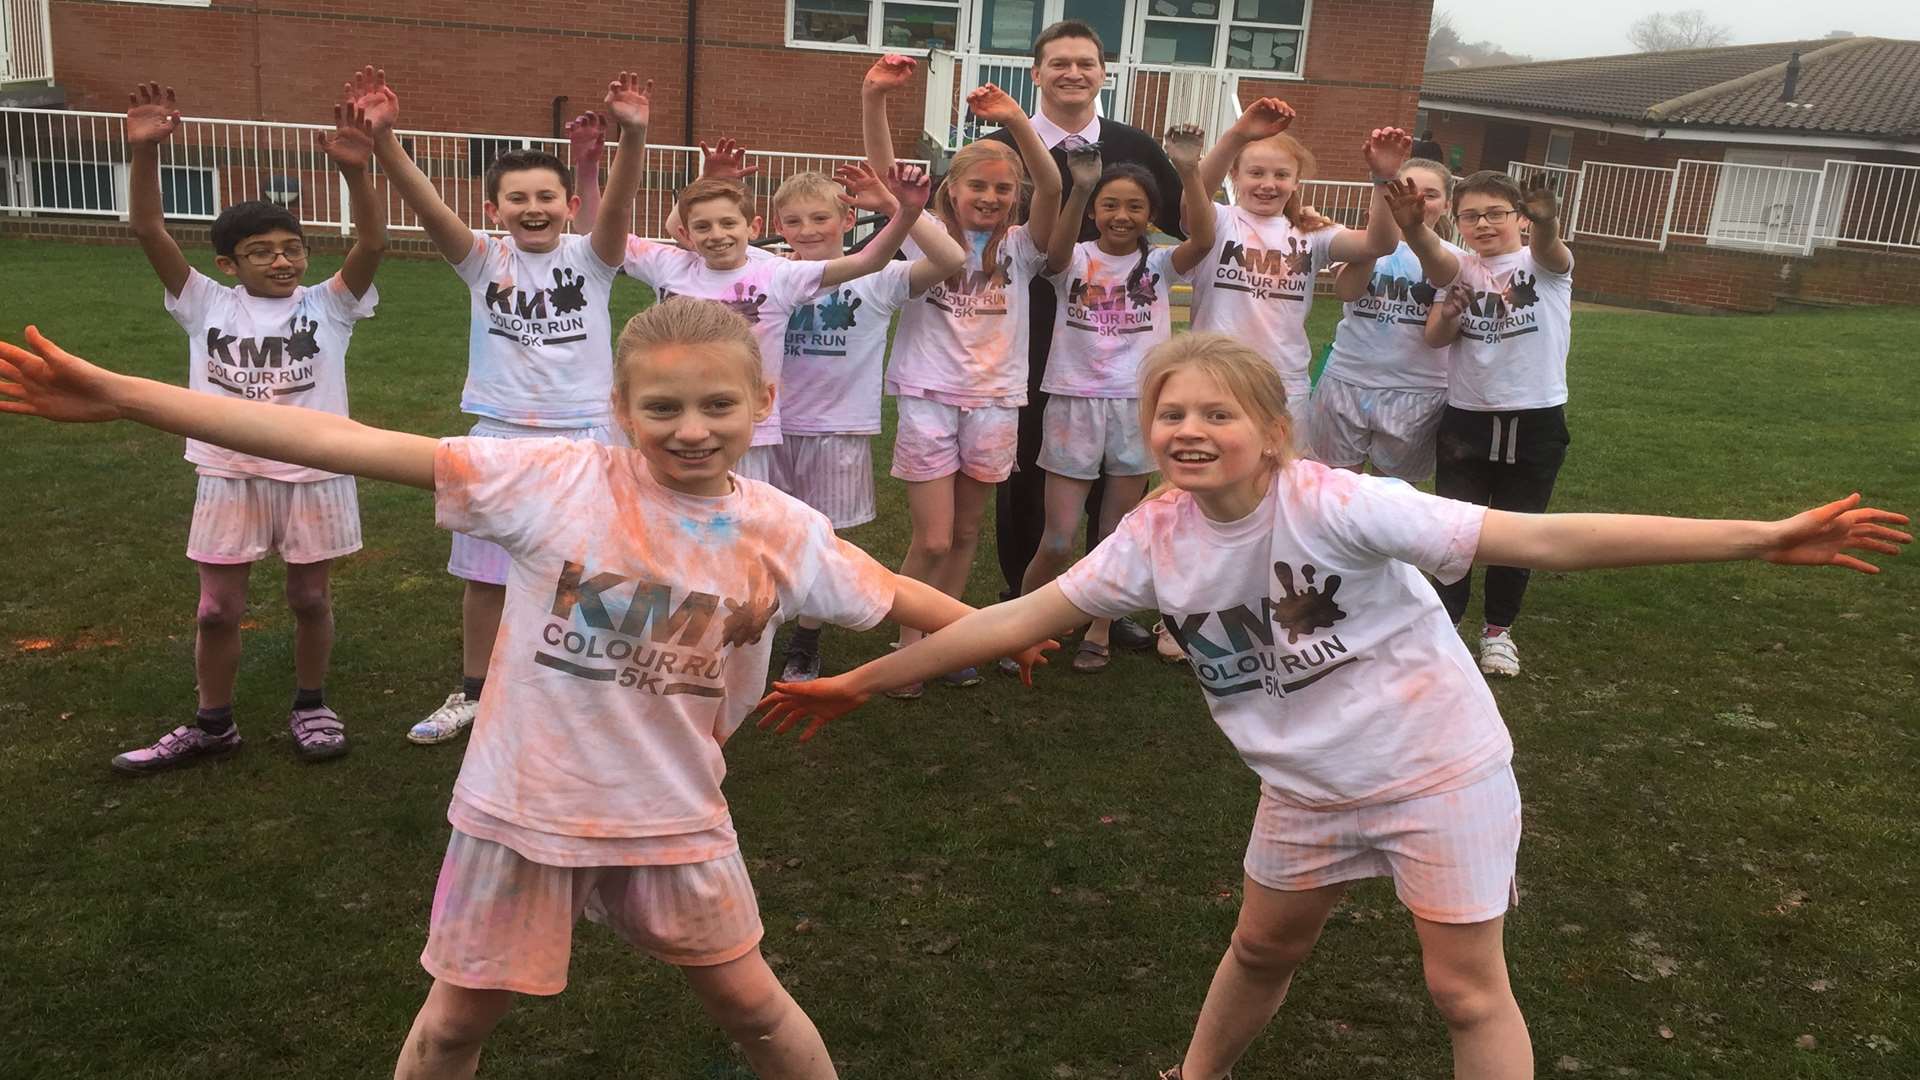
[[692, 74], [559, 116]]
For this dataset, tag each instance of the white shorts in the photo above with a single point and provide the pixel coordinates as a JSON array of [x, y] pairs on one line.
[[935, 439], [1451, 856], [1083, 437], [1394, 429], [833, 474], [503, 922], [484, 561], [1299, 410], [239, 520], [767, 465]]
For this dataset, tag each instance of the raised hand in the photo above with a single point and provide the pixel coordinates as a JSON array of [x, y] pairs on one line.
[[725, 160], [1084, 165], [630, 101], [1184, 144], [53, 384], [1386, 149], [152, 114], [818, 702], [865, 190], [909, 185], [350, 143], [374, 99], [1821, 536], [1405, 201], [586, 139], [889, 73], [1265, 118], [1541, 204], [1453, 303], [994, 105]]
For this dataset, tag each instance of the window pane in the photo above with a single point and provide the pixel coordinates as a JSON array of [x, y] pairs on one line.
[[1288, 12], [918, 26], [186, 192], [838, 21], [1108, 19], [1009, 26], [69, 185], [1178, 43], [1263, 50]]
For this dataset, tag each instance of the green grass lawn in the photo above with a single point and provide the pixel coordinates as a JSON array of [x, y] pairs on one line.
[[1720, 859]]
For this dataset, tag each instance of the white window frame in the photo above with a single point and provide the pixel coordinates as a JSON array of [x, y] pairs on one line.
[[213, 177], [1224, 23], [873, 44], [1546, 155], [169, 3], [116, 186]]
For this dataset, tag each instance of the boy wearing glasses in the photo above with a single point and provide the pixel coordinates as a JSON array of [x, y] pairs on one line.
[[1503, 434], [266, 338]]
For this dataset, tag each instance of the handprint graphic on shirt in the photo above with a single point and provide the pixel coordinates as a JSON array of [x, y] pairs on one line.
[[1299, 256], [747, 619], [746, 301], [1521, 293], [836, 313], [303, 343], [1301, 613], [569, 292], [1141, 291]]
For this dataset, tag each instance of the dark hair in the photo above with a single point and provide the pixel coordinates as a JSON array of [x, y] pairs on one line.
[[251, 218], [526, 161], [1068, 28], [1489, 182], [1127, 170]]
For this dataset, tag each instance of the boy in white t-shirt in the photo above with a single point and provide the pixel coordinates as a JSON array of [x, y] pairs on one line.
[[836, 348], [539, 355], [645, 584], [268, 338], [1503, 435], [717, 225]]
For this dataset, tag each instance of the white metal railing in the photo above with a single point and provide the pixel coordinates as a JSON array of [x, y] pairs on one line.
[[64, 162], [1563, 181], [26, 42], [1623, 202], [1151, 97], [1766, 207], [1870, 203]]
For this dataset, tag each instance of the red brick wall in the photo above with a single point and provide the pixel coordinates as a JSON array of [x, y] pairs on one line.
[[1689, 277]]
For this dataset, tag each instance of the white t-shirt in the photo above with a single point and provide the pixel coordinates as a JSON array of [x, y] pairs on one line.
[[964, 340], [611, 689], [1381, 341], [1512, 349], [1101, 328], [1257, 285], [764, 290], [288, 351], [1324, 655], [539, 350], [836, 349]]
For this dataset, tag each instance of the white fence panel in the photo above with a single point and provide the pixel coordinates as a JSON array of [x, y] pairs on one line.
[[1623, 202], [1762, 207], [1564, 182], [26, 43], [1871, 203]]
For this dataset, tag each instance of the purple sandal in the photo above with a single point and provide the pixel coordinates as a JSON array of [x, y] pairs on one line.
[[318, 733]]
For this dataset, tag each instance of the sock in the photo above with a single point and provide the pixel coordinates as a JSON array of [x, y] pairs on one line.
[[309, 699], [805, 640], [1493, 630], [471, 686], [215, 721]]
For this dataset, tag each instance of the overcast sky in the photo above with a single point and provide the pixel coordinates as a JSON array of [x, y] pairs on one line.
[[1558, 30]]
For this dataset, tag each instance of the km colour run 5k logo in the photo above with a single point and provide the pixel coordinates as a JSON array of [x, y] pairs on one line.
[[1236, 650], [536, 317]]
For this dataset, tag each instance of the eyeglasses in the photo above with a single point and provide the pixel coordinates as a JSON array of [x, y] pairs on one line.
[[1491, 217], [264, 257]]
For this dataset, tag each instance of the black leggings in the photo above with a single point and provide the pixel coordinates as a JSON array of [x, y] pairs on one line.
[[1503, 460]]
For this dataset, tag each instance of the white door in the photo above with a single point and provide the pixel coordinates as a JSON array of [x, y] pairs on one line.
[[1770, 199]]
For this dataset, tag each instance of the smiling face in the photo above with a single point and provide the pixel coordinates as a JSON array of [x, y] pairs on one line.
[[1123, 214], [690, 411], [1069, 74], [1209, 443], [1486, 236], [1264, 178], [533, 206], [814, 228], [984, 195], [267, 264], [720, 231]]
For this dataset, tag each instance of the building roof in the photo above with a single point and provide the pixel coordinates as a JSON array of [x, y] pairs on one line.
[[1859, 86]]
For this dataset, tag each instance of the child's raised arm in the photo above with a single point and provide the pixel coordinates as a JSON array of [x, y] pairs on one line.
[[1542, 211], [55, 385], [350, 147], [1183, 143], [1024, 626], [152, 118], [586, 143], [889, 73], [1817, 537], [378, 109], [909, 186], [1083, 166], [992, 104], [1263, 119], [1438, 264], [941, 256], [1351, 280], [1385, 150], [631, 105]]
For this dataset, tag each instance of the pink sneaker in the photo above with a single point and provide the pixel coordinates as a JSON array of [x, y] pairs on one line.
[[183, 745]]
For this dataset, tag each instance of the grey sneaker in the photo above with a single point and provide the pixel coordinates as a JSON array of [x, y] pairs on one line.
[[800, 667], [318, 733], [445, 722], [183, 745]]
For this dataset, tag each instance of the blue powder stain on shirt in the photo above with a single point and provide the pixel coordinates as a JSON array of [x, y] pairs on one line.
[[718, 529]]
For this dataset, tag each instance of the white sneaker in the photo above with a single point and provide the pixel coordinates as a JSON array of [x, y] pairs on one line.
[[447, 721], [1499, 655]]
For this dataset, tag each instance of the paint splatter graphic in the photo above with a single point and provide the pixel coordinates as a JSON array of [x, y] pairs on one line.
[[1301, 612]]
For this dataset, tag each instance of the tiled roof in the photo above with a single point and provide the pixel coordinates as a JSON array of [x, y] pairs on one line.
[[1854, 86]]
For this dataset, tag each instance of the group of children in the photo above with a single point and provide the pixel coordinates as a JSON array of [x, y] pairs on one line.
[[628, 552]]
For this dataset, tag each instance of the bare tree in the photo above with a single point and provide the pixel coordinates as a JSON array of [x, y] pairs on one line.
[[1664, 31]]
